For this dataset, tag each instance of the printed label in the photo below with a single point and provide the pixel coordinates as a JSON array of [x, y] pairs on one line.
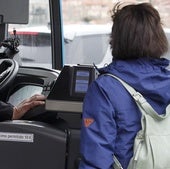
[[16, 137]]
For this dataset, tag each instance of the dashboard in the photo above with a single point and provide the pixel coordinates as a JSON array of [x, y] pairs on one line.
[[30, 81], [64, 92]]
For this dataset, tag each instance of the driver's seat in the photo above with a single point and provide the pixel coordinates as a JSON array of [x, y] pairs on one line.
[[31, 145]]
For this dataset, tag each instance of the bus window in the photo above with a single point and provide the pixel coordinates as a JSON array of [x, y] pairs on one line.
[[87, 25], [35, 37]]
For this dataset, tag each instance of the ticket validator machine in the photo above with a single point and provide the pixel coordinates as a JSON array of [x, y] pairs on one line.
[[29, 144]]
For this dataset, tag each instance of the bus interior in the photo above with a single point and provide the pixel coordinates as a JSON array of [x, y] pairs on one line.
[[61, 67]]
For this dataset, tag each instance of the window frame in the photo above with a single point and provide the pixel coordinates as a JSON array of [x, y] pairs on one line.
[[57, 39]]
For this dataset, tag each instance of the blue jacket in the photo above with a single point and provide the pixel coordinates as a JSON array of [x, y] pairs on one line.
[[111, 118]]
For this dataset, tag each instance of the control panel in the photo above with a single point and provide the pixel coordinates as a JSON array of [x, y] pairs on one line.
[[70, 88]]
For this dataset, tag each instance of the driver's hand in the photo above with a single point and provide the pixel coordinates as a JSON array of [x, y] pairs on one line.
[[27, 104]]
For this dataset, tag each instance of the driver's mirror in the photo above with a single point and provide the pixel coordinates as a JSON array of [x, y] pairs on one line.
[[14, 12]]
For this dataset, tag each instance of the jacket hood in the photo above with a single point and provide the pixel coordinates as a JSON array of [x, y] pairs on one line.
[[150, 77]]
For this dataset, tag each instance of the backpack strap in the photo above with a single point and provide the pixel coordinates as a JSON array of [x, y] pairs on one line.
[[116, 164], [142, 104], [141, 101]]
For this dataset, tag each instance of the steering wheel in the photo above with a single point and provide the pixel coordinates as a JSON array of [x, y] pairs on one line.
[[8, 71]]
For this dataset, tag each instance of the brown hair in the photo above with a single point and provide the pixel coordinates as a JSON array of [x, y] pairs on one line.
[[137, 32]]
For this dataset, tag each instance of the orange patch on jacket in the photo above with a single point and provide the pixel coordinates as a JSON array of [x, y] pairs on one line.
[[88, 121]]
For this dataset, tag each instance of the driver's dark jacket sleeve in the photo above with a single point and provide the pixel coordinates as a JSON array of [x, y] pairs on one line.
[[6, 111]]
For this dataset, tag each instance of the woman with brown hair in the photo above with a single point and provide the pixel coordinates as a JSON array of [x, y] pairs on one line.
[[111, 118]]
